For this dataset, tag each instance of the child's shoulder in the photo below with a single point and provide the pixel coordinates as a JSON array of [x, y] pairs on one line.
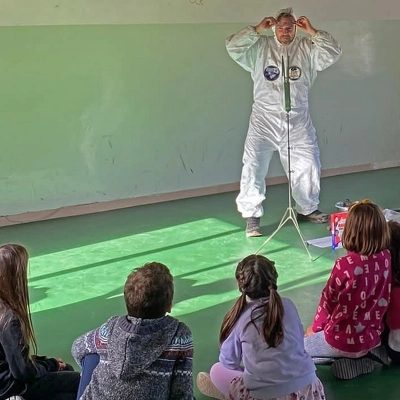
[[286, 300], [183, 329], [288, 304], [107, 326], [290, 309], [350, 258], [112, 320], [7, 315], [5, 311], [182, 338]]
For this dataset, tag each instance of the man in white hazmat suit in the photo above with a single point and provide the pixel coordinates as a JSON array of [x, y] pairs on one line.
[[262, 57]]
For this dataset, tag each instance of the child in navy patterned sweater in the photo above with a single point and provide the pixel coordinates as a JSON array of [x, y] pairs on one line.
[[349, 320], [145, 354]]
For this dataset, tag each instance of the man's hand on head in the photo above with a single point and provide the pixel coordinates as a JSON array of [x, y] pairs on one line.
[[266, 23], [305, 25]]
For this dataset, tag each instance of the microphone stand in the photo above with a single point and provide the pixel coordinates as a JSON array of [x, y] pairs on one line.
[[289, 213]]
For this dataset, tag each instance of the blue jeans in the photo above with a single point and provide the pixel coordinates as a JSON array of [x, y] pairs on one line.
[[89, 363]]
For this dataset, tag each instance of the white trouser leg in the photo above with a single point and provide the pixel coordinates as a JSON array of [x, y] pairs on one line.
[[257, 155], [306, 174]]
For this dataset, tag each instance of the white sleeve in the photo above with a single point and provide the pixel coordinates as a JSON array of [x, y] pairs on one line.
[[326, 50], [243, 47]]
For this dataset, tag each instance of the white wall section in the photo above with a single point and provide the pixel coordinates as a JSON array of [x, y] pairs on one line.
[[73, 12]]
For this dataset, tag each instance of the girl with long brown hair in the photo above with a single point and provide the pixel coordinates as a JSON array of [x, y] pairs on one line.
[[262, 352], [348, 323], [22, 372]]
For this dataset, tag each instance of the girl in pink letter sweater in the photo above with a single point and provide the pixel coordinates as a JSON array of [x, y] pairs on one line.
[[392, 337], [349, 319]]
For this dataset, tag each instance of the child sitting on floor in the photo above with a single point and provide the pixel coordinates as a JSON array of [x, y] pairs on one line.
[[145, 355], [349, 319], [262, 352], [393, 312], [22, 372]]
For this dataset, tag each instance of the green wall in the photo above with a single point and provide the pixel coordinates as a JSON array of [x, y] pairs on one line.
[[94, 113], [102, 112]]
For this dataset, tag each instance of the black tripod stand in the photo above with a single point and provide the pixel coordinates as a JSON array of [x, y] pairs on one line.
[[289, 213]]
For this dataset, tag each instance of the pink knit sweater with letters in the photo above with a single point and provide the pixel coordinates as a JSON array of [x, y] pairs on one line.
[[354, 302]]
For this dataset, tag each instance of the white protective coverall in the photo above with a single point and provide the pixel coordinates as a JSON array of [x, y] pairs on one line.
[[262, 57]]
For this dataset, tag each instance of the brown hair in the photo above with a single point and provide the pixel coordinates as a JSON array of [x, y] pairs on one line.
[[365, 231], [256, 277], [14, 293], [149, 291], [394, 228]]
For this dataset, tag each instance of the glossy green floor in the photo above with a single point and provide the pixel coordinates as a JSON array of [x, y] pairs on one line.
[[79, 265]]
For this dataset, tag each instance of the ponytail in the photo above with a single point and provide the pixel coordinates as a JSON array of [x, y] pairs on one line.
[[273, 321], [231, 318], [272, 313]]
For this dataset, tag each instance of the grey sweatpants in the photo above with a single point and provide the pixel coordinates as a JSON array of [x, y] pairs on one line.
[[316, 346]]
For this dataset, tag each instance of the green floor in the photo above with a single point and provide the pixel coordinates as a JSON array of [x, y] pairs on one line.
[[79, 265]]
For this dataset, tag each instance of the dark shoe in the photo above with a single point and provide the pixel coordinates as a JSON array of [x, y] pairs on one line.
[[349, 368], [253, 227], [317, 217]]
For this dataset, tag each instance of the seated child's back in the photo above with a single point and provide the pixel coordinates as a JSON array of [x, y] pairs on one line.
[[145, 354]]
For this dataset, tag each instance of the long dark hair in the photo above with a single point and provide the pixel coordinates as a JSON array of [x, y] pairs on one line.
[[14, 293], [394, 228], [256, 277]]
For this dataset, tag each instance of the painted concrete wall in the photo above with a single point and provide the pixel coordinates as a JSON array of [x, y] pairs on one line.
[[135, 98], [72, 12]]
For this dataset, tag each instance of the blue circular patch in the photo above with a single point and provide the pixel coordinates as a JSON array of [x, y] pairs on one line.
[[271, 73]]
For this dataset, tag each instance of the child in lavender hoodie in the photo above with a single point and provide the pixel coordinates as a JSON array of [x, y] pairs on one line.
[[262, 352]]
